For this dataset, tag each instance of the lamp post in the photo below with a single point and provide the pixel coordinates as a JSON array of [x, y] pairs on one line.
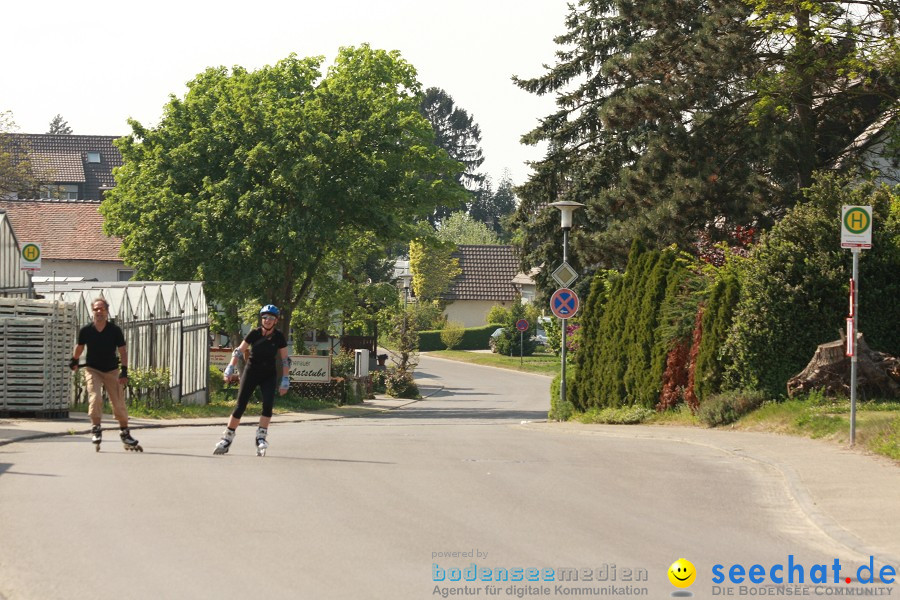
[[566, 209]]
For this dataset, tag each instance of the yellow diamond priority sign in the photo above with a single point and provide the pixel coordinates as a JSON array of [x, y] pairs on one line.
[[856, 227]]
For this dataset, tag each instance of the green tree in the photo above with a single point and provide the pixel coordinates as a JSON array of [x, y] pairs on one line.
[[254, 178], [59, 126], [793, 291], [460, 228], [494, 208], [433, 267], [16, 174], [456, 131], [665, 128]]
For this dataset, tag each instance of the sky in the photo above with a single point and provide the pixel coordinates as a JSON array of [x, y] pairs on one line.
[[98, 62]]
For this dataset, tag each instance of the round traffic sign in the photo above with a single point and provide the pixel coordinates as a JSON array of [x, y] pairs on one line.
[[522, 325], [564, 303]]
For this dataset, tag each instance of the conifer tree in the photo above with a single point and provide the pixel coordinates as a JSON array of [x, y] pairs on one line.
[[59, 126], [676, 118]]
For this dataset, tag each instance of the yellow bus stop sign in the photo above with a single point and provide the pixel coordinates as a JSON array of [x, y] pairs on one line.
[[31, 257], [856, 227]]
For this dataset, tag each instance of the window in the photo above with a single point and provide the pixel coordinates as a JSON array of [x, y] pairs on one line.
[[60, 191], [93, 157], [125, 274]]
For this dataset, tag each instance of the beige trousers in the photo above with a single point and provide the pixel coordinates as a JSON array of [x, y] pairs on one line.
[[96, 380]]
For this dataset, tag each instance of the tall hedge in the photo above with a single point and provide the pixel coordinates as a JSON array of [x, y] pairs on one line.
[[623, 361], [717, 317], [589, 355], [474, 338], [794, 287]]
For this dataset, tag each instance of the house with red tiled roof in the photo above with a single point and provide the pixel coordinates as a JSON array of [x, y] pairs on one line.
[[490, 275], [72, 172], [68, 167], [70, 234]]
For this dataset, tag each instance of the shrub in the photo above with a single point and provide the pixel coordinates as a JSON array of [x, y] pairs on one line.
[[343, 364], [452, 334], [728, 407], [793, 288], [497, 314], [149, 387], [379, 381], [400, 384], [564, 411], [625, 415]]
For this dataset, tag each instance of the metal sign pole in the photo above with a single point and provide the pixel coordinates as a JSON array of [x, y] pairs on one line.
[[853, 346], [562, 380], [521, 352]]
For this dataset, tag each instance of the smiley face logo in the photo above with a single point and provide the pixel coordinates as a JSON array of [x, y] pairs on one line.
[[682, 573]]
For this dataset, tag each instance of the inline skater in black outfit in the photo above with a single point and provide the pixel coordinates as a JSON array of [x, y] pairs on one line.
[[262, 345]]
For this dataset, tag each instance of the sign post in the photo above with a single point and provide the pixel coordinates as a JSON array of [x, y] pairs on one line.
[[563, 304], [522, 326], [856, 234]]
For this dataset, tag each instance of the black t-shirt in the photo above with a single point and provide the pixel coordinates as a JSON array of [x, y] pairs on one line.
[[102, 345], [264, 350]]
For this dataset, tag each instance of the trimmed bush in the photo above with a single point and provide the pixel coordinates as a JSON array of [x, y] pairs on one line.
[[473, 338], [728, 407]]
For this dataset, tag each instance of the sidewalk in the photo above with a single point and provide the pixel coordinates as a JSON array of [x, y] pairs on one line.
[[851, 496], [20, 430]]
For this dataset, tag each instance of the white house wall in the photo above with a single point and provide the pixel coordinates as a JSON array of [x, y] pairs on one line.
[[471, 313], [89, 269]]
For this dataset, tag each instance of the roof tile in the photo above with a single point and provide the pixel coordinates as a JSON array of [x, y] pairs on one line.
[[65, 230], [487, 273]]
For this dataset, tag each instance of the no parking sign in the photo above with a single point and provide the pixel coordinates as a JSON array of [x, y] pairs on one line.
[[564, 303]]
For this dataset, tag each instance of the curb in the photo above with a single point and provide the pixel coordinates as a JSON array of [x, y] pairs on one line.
[[164, 425]]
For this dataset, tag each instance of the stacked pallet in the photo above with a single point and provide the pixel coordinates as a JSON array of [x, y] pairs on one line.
[[36, 341]]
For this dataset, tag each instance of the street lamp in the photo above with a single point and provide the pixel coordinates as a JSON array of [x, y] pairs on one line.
[[566, 209]]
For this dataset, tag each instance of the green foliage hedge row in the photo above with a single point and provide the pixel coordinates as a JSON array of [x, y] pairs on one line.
[[474, 338], [763, 314], [623, 355]]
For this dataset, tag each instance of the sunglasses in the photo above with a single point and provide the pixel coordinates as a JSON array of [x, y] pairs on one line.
[[268, 318]]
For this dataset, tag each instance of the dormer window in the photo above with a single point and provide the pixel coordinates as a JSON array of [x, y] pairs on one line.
[[93, 157]]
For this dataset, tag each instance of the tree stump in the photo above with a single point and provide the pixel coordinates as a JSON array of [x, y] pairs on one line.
[[877, 373]]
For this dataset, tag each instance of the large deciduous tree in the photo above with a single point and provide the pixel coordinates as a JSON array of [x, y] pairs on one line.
[[460, 228], [689, 117], [254, 178]]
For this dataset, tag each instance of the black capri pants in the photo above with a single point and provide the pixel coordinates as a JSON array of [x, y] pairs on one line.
[[250, 379]]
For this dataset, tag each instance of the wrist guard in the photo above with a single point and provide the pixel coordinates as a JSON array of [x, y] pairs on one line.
[[123, 372], [229, 370], [73, 363], [285, 382]]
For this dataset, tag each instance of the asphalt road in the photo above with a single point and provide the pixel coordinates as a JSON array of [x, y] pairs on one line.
[[380, 507]]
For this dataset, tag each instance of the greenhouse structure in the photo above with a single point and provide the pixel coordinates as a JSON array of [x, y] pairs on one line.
[[166, 326]]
